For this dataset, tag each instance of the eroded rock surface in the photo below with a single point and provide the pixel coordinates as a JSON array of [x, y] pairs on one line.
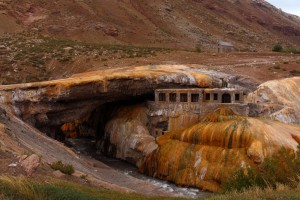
[[128, 136], [206, 153], [278, 99], [199, 156], [53, 103]]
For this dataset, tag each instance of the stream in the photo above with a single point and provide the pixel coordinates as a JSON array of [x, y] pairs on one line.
[[87, 147]]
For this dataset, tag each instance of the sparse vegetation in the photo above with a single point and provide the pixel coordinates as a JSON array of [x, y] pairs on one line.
[[198, 48], [277, 48], [295, 72], [20, 188], [281, 192], [64, 168], [294, 51], [281, 169], [276, 67], [166, 31], [28, 55]]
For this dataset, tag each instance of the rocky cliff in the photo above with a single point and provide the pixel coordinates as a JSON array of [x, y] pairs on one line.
[[208, 152], [278, 99]]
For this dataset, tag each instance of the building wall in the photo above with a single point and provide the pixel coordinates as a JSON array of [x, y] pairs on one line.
[[221, 92], [179, 115], [224, 49]]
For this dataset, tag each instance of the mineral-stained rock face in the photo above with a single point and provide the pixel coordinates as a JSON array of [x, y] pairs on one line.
[[206, 153], [127, 134], [53, 103], [200, 156], [279, 99]]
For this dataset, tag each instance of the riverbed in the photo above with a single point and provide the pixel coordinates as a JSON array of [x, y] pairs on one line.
[[87, 147]]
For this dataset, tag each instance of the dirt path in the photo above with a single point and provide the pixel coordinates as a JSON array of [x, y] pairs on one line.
[[99, 173]]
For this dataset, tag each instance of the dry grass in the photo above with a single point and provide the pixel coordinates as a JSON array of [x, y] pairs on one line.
[[281, 192], [14, 188], [20, 188]]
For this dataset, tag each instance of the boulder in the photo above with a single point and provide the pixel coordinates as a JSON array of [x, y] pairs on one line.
[[112, 31], [58, 174], [30, 163]]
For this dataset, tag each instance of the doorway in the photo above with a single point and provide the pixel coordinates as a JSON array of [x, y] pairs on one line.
[[226, 98]]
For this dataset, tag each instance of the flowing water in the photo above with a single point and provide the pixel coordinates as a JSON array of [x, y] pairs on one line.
[[87, 147]]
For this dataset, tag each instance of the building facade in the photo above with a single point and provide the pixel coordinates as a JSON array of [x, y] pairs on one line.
[[224, 47], [175, 109]]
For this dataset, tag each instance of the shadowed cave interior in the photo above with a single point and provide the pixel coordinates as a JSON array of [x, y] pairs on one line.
[[82, 134]]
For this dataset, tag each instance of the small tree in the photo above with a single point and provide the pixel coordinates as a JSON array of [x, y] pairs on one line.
[[277, 48]]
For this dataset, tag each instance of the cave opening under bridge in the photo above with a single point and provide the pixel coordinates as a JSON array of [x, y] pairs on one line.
[[84, 133]]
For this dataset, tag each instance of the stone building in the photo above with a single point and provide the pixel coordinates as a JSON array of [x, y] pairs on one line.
[[224, 46], [175, 109]]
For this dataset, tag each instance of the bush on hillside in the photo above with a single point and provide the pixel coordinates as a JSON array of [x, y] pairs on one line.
[[277, 48], [282, 168], [64, 168], [198, 48]]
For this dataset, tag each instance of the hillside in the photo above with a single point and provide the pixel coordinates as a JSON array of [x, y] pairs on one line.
[[251, 25], [90, 86]]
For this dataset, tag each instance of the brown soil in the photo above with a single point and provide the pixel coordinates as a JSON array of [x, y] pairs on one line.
[[249, 25]]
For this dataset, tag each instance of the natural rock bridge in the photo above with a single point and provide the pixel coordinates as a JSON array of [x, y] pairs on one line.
[[112, 103]]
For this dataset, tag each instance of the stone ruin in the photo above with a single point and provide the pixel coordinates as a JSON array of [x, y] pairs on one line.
[[175, 109]]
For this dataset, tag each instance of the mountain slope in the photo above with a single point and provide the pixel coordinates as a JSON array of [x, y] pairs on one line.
[[248, 24]]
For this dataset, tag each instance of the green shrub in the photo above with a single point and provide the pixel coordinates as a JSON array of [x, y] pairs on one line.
[[295, 73], [243, 179], [294, 51], [198, 48], [276, 67], [166, 31], [64, 168], [283, 168], [277, 48]]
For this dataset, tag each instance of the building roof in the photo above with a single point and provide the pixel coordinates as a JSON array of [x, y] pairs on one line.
[[180, 90], [197, 89], [225, 43]]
